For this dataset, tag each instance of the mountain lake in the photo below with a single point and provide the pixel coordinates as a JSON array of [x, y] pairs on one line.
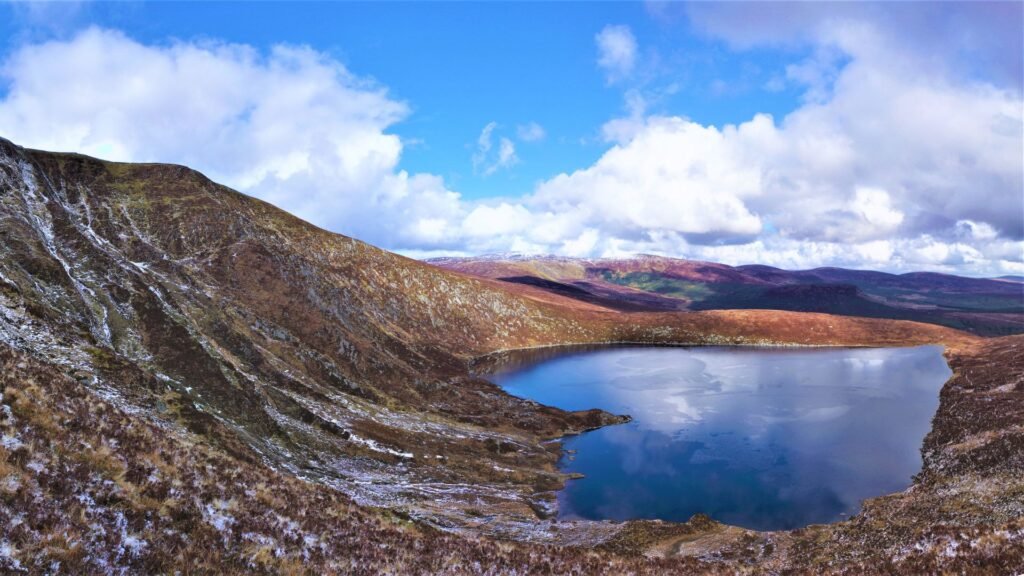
[[763, 438]]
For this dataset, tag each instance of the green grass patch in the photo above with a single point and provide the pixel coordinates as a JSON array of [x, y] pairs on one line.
[[658, 284]]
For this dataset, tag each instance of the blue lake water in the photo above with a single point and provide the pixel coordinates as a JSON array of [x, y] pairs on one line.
[[766, 439]]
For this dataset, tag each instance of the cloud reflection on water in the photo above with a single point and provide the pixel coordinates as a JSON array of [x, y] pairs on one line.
[[760, 438]]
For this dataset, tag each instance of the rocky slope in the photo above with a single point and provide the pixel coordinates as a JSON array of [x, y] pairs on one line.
[[219, 380]]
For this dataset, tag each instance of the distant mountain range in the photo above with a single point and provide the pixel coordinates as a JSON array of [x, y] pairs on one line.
[[653, 283]]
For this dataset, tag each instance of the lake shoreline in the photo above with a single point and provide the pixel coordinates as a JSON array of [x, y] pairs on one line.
[[786, 400]]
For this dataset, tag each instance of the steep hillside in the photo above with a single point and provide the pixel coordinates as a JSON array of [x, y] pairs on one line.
[[203, 363], [325, 356], [984, 306]]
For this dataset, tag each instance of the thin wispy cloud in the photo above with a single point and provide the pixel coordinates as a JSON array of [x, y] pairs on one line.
[[617, 52], [531, 132], [486, 159]]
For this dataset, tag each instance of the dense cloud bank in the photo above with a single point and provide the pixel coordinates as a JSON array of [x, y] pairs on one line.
[[896, 159]]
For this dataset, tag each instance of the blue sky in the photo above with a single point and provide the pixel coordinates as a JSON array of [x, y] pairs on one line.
[[461, 66], [772, 133]]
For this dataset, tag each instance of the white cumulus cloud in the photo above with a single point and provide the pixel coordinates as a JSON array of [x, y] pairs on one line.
[[889, 162], [291, 126]]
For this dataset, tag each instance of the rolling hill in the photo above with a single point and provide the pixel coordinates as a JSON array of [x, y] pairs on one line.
[[989, 307]]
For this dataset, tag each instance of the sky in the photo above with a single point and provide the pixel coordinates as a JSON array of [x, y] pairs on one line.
[[887, 136]]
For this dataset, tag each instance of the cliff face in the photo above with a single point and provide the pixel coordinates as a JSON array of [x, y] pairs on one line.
[[143, 304]]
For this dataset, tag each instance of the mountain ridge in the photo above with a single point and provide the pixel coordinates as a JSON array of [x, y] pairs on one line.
[[527, 257], [989, 307]]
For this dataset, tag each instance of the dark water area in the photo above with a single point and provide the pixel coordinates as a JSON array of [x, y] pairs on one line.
[[766, 439]]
